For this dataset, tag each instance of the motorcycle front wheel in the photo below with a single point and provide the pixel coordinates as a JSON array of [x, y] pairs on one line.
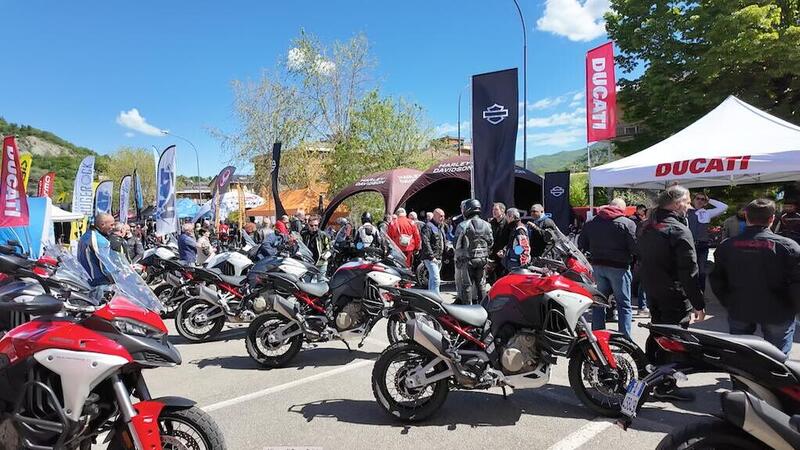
[[707, 434], [192, 324], [190, 428], [603, 390], [389, 383], [271, 354]]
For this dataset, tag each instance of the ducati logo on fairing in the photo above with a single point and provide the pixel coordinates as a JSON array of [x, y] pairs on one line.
[[495, 114]]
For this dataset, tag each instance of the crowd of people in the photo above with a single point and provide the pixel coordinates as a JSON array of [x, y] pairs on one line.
[[659, 256]]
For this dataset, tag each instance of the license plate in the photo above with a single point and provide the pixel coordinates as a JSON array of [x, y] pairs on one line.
[[631, 401]]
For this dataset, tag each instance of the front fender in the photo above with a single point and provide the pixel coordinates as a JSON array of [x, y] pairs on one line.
[[603, 338], [145, 423]]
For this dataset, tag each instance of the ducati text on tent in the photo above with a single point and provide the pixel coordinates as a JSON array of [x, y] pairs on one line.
[[703, 165]]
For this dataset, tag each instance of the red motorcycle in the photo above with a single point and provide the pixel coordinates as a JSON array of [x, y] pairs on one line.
[[69, 374], [530, 318]]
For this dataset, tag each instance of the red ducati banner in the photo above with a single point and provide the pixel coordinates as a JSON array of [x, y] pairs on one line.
[[13, 201], [601, 94], [46, 184]]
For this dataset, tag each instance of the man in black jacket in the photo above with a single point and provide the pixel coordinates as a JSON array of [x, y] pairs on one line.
[[538, 227], [472, 244], [610, 239], [433, 242], [756, 277], [500, 232], [669, 272]]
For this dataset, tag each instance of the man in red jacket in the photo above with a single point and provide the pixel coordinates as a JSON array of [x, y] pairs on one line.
[[405, 234]]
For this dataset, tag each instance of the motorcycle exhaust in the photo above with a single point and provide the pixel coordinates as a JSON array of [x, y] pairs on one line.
[[757, 417], [286, 307], [428, 337]]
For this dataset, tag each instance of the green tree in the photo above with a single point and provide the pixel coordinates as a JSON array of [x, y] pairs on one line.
[[123, 162], [695, 54]]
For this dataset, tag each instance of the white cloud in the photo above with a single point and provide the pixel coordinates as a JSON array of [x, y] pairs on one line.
[[130, 134], [574, 118], [578, 96], [451, 129], [547, 103], [299, 59], [134, 121], [559, 138], [578, 20]]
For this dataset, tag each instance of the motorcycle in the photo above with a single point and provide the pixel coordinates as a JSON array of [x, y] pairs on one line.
[[530, 318], [215, 298], [762, 410], [346, 308], [68, 376]]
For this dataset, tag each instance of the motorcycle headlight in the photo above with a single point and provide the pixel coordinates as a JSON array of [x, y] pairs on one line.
[[135, 328]]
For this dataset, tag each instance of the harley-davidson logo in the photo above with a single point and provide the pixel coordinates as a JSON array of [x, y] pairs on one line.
[[495, 114]]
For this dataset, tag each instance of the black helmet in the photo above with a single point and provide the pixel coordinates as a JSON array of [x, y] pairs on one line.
[[366, 217], [470, 207]]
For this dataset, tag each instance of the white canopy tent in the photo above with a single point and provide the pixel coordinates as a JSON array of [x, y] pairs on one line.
[[59, 215], [735, 143]]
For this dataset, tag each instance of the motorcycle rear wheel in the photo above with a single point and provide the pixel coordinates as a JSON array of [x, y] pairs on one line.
[[710, 433], [412, 408], [165, 293], [192, 330], [257, 345], [605, 396]]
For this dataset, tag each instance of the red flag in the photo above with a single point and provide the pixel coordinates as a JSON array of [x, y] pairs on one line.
[[601, 94], [46, 185], [13, 201]]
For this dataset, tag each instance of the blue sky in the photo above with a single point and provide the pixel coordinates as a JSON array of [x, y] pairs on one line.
[[74, 67]]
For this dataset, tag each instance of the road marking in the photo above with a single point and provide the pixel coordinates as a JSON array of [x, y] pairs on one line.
[[284, 386], [583, 435]]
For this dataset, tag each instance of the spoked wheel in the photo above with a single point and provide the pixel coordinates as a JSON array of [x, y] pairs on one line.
[[710, 434], [185, 429], [392, 391], [193, 323], [603, 390], [422, 275], [170, 297], [262, 348]]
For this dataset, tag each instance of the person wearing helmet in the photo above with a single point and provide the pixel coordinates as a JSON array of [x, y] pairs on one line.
[[367, 234], [473, 243]]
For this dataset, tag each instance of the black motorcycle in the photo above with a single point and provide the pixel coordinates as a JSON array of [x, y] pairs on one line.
[[762, 410]]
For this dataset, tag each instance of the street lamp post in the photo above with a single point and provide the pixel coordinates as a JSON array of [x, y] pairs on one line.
[[459, 117], [196, 158], [524, 88]]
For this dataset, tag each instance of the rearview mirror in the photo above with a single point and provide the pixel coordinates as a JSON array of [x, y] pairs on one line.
[[40, 305]]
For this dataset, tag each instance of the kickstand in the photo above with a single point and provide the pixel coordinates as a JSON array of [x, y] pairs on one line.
[[505, 395], [347, 345]]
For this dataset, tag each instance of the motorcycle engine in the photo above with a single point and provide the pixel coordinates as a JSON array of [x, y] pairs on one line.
[[350, 316], [263, 302], [519, 355]]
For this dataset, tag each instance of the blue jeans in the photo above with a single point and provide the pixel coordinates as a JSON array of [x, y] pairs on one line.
[[434, 280], [618, 281], [702, 263], [642, 297], [780, 335]]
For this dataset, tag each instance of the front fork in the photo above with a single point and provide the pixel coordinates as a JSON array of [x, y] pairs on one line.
[[598, 343], [141, 419]]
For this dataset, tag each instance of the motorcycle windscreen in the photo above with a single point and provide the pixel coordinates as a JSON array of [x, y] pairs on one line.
[[127, 282], [393, 251], [566, 247], [302, 250], [68, 269]]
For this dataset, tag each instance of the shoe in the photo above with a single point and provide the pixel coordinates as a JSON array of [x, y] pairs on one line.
[[644, 312], [672, 394]]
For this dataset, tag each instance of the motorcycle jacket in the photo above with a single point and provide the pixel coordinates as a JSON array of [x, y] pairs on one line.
[[369, 235], [473, 239]]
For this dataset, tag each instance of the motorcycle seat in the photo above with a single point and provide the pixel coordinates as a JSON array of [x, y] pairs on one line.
[[475, 315], [754, 342], [794, 366], [430, 295], [316, 289], [234, 280]]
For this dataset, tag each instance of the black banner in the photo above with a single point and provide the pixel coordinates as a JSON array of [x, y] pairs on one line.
[[495, 112], [276, 165], [556, 198]]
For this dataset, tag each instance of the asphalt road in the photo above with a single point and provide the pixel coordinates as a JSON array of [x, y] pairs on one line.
[[324, 400]]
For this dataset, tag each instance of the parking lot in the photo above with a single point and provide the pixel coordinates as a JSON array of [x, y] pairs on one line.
[[324, 399]]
